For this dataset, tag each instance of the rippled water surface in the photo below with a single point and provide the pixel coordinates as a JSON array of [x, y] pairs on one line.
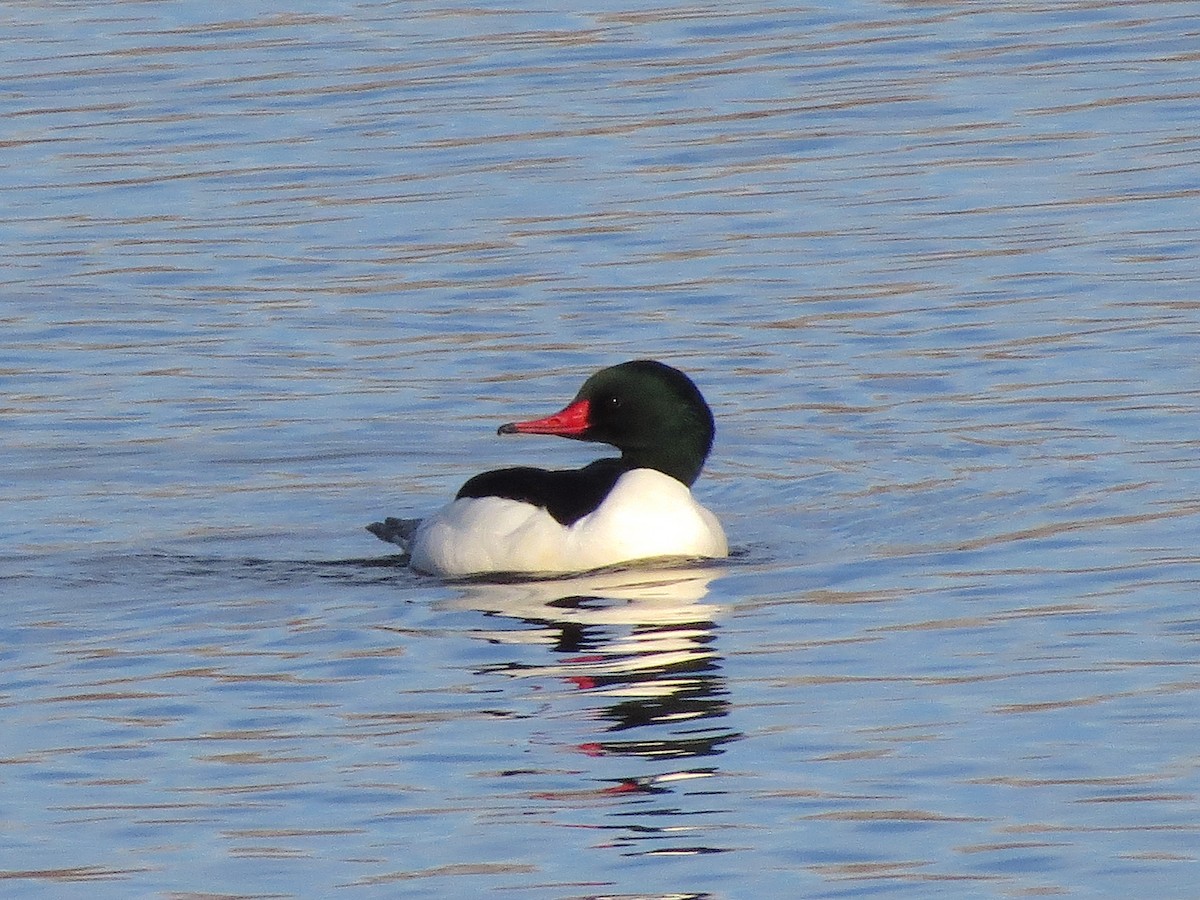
[[271, 275]]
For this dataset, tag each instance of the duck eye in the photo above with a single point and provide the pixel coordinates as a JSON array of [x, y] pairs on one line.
[[612, 401]]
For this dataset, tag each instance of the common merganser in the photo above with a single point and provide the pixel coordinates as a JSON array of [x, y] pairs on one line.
[[537, 521]]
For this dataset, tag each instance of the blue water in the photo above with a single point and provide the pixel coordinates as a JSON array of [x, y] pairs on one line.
[[271, 275]]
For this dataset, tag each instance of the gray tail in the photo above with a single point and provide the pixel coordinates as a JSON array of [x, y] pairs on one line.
[[395, 531]]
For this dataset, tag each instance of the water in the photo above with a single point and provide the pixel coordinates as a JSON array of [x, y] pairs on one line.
[[272, 275]]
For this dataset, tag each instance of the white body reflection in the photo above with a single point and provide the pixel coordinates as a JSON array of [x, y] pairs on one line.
[[641, 641]]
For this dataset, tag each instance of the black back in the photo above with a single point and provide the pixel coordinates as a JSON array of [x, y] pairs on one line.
[[567, 495]]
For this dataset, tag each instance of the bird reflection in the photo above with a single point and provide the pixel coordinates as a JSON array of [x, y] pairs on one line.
[[639, 649], [640, 641]]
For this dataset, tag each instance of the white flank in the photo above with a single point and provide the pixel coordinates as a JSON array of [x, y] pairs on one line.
[[646, 515]]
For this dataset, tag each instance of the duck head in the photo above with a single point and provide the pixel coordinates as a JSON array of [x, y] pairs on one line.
[[651, 412]]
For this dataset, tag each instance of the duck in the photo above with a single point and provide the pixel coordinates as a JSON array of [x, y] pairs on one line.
[[634, 508]]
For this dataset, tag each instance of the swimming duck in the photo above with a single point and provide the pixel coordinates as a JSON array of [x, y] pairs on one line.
[[638, 506]]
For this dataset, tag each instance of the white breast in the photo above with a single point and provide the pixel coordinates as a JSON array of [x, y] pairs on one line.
[[646, 515]]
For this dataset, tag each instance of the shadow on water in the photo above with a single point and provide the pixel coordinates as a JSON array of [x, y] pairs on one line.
[[390, 568]]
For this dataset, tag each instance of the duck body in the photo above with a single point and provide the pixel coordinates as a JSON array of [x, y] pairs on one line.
[[527, 520], [645, 515]]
